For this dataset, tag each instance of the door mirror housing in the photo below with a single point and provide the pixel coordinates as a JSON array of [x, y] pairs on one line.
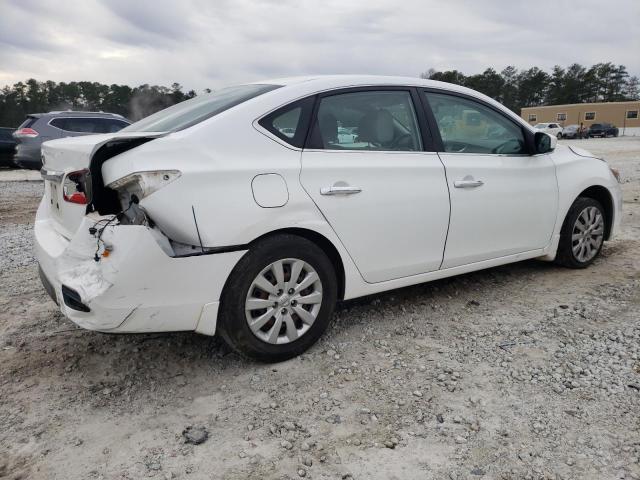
[[544, 142]]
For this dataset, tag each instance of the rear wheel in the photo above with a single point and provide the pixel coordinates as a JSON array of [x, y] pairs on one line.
[[279, 299], [582, 234]]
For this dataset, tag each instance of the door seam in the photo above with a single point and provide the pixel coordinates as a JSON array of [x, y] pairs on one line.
[[446, 237]]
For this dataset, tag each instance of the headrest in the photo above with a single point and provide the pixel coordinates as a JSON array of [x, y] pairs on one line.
[[377, 127], [328, 128]]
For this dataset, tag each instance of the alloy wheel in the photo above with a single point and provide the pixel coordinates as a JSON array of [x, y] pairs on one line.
[[283, 301], [588, 234]]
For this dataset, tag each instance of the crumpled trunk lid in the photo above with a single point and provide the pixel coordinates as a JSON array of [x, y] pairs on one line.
[[64, 156]]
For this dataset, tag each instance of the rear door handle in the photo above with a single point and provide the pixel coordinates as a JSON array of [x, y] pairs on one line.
[[334, 190], [468, 183]]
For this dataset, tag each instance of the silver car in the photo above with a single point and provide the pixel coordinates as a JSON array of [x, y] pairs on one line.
[[40, 127]]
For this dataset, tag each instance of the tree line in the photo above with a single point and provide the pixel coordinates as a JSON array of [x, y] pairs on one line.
[[32, 96], [602, 82]]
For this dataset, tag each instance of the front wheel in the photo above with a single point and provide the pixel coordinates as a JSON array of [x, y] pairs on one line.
[[582, 234], [279, 299], [559, 136]]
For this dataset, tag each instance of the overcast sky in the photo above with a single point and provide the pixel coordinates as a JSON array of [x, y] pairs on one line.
[[212, 43]]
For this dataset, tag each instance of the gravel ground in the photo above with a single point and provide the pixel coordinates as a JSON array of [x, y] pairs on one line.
[[527, 371]]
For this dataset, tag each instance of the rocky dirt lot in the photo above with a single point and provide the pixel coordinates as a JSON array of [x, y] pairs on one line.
[[527, 371]]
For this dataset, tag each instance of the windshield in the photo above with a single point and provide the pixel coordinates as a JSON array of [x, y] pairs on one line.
[[190, 112]]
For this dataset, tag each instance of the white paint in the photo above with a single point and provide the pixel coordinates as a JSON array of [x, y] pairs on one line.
[[208, 319], [270, 190], [390, 235], [397, 225], [513, 212]]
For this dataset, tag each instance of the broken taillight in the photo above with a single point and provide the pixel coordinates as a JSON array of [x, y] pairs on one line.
[[143, 184], [25, 133], [76, 187]]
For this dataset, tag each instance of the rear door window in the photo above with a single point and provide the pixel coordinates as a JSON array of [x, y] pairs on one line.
[[75, 124], [88, 124], [369, 120], [108, 125]]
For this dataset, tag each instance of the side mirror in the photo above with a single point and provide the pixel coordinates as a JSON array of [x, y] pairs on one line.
[[544, 142]]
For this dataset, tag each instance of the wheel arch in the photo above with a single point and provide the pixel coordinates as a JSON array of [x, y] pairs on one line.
[[322, 242], [602, 195]]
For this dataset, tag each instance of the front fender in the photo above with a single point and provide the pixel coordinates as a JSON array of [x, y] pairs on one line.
[[577, 173]]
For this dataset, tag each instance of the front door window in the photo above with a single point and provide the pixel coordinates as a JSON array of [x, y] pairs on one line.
[[469, 127]]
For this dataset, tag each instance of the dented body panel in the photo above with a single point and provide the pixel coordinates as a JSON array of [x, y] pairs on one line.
[[138, 287]]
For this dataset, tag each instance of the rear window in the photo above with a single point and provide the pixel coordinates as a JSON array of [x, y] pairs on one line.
[[198, 109], [28, 122]]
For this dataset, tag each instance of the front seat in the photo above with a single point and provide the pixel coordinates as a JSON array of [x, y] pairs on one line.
[[377, 128], [328, 129]]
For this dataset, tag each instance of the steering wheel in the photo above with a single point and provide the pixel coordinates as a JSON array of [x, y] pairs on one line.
[[455, 147]]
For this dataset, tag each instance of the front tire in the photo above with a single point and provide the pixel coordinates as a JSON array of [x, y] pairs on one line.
[[582, 234], [279, 299]]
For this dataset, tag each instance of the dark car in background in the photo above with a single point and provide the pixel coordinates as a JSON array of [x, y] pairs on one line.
[[40, 127], [603, 130], [7, 147], [571, 131]]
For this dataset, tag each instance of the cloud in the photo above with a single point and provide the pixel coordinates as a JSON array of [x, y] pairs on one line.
[[200, 43]]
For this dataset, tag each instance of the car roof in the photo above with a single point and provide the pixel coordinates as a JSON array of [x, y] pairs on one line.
[[298, 87], [76, 113], [322, 82]]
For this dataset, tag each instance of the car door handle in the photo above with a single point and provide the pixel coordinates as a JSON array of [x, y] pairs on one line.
[[468, 183], [335, 190]]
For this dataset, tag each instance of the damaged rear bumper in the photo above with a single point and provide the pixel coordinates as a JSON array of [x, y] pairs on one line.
[[137, 288]]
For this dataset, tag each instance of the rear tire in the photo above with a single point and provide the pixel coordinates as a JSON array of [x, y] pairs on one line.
[[268, 315], [582, 234]]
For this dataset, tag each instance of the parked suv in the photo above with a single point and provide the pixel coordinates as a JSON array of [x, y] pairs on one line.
[[40, 127], [603, 130], [7, 147]]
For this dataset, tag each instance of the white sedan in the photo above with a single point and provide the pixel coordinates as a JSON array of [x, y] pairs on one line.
[[553, 129], [246, 213]]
